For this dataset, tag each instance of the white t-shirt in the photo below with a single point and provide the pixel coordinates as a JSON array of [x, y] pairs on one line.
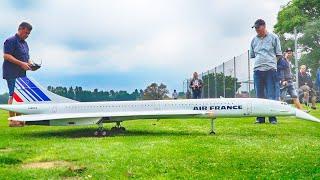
[[175, 95]]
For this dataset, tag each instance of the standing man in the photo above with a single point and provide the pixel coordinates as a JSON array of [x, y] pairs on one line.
[[196, 86], [265, 48], [285, 76], [16, 61], [175, 94], [306, 86]]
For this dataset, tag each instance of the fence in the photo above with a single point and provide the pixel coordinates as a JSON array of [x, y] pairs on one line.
[[232, 78]]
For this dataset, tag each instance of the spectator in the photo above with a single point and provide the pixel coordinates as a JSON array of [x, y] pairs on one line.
[[16, 61], [306, 86], [175, 94], [265, 48], [318, 78], [188, 94], [285, 76], [196, 86]]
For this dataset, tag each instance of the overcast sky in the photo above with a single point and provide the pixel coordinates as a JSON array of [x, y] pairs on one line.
[[127, 44]]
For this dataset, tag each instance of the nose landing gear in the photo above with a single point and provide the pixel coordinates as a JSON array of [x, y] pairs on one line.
[[212, 126], [100, 131]]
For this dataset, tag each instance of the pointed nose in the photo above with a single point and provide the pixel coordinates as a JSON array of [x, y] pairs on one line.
[[306, 116]]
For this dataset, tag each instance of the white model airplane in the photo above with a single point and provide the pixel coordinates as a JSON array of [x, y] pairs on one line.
[[41, 107]]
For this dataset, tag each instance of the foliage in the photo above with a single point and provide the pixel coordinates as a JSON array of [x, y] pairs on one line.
[[155, 92], [310, 43], [217, 86], [305, 16], [4, 98], [79, 94], [296, 14]]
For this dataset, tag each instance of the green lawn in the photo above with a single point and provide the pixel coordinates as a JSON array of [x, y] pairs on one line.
[[165, 149]]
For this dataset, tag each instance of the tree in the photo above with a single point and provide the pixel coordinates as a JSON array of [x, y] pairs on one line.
[[79, 94], [4, 98], [155, 92], [231, 85], [303, 15], [71, 93], [310, 44], [297, 13]]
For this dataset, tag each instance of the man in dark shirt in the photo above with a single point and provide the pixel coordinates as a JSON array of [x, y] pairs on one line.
[[285, 76], [306, 86], [16, 60]]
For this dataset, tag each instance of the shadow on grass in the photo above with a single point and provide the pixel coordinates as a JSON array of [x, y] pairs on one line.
[[89, 132]]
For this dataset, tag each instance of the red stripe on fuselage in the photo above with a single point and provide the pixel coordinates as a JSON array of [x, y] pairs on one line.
[[17, 98]]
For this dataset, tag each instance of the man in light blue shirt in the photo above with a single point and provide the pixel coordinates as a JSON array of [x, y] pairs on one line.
[[265, 49]]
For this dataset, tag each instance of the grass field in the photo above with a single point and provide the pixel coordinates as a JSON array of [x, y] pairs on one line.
[[165, 149]]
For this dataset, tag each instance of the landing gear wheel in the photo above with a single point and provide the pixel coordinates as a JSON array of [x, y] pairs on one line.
[[100, 131], [212, 132], [96, 133], [103, 133]]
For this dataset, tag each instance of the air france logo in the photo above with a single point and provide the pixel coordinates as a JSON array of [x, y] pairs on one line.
[[204, 108]]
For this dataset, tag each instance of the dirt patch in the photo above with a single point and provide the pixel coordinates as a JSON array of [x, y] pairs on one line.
[[71, 170], [47, 165]]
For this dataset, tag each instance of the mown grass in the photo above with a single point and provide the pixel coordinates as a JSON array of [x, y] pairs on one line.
[[165, 149]]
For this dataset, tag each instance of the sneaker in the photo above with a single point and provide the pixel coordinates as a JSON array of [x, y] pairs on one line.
[[313, 107]]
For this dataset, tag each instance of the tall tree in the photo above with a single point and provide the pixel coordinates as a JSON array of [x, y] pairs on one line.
[[231, 85], [155, 92], [310, 44], [297, 13], [303, 15], [80, 94]]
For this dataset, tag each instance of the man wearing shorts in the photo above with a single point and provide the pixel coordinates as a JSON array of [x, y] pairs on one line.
[[285, 76], [16, 61]]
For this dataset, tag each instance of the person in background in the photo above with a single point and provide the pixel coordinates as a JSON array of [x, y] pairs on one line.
[[265, 49], [285, 76], [188, 94], [306, 86], [318, 78], [196, 86], [16, 61], [175, 94]]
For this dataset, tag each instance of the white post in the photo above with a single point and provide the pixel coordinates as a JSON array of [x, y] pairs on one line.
[[296, 56], [208, 84]]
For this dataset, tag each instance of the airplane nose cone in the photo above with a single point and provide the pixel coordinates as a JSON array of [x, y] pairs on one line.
[[303, 115]]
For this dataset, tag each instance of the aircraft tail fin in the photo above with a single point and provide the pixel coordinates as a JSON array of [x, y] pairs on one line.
[[28, 91]]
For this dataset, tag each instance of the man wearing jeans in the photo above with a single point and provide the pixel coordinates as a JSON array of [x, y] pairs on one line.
[[16, 61], [265, 48]]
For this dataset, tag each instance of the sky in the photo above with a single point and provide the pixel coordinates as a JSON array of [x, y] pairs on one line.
[[128, 44]]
